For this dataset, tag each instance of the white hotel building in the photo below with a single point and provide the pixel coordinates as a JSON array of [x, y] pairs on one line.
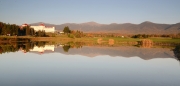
[[42, 27]]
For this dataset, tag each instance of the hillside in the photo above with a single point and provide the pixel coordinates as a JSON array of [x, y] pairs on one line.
[[126, 28]]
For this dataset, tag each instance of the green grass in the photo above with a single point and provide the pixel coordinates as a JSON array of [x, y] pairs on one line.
[[168, 40], [93, 39]]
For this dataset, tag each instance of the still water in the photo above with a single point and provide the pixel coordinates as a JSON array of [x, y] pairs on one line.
[[90, 66]]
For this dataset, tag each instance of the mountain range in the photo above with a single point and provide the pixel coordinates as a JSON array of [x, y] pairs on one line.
[[126, 28]]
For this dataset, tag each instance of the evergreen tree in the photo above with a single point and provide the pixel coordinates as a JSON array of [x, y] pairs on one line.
[[66, 30], [13, 30]]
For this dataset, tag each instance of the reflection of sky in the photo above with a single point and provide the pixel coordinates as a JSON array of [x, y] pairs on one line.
[[75, 70]]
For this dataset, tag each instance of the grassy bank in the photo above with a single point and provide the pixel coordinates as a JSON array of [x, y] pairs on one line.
[[87, 39], [168, 40]]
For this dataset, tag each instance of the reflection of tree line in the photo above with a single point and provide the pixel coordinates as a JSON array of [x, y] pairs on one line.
[[27, 45], [147, 43], [143, 43], [15, 39], [176, 51], [69, 45], [16, 46]]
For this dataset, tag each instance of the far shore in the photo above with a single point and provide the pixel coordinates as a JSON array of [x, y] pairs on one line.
[[88, 39]]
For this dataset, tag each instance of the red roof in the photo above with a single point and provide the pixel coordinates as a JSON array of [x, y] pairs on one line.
[[25, 24], [48, 27], [41, 24]]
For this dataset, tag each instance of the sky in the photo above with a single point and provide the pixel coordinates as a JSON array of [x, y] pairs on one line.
[[80, 11]]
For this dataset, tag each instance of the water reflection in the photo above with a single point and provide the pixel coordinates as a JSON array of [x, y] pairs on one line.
[[81, 48], [146, 43], [42, 49], [66, 48], [176, 51], [66, 64], [22, 46]]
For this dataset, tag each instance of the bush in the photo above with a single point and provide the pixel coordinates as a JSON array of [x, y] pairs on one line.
[[71, 35]]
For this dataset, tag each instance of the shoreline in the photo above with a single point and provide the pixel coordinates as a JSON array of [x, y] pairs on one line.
[[85, 39]]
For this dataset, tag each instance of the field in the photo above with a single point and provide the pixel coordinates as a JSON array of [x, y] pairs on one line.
[[89, 39]]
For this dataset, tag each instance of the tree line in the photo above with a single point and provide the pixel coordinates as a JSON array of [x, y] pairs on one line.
[[130, 36], [15, 30], [9, 29], [156, 35]]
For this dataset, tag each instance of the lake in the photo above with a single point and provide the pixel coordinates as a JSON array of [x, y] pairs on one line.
[[65, 65]]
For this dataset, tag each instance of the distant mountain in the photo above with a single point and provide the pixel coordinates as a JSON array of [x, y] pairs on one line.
[[38, 23], [126, 28]]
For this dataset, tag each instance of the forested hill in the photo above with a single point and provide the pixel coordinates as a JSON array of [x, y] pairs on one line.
[[126, 28]]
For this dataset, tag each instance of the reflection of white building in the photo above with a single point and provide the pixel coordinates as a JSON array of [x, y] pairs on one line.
[[42, 49], [43, 27]]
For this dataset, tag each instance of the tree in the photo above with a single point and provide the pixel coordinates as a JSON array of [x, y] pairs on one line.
[[1, 26], [14, 29], [32, 31], [41, 33], [28, 30], [78, 34], [21, 31], [66, 30], [66, 48]]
